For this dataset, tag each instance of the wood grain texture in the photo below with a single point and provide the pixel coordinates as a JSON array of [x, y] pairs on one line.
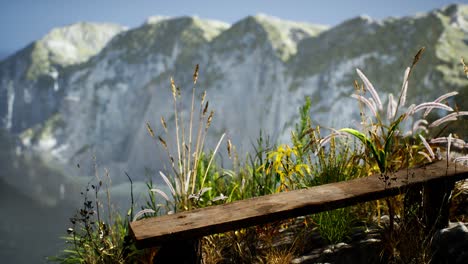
[[222, 218]]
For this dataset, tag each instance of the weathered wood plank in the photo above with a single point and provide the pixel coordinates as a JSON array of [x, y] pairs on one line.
[[260, 210]]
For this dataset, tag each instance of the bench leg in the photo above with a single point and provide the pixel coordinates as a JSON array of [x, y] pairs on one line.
[[413, 206], [436, 204], [413, 202], [184, 252]]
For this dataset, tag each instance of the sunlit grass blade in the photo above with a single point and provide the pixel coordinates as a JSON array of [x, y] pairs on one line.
[[378, 155], [370, 88], [449, 144], [391, 132], [162, 193], [420, 125], [425, 155], [447, 118], [427, 146], [168, 183], [438, 100], [404, 88], [461, 159], [211, 159], [142, 212], [391, 108], [430, 105], [365, 101], [455, 142]]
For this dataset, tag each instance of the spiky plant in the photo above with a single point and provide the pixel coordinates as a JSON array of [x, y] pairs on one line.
[[191, 174], [383, 134], [255, 177], [386, 140]]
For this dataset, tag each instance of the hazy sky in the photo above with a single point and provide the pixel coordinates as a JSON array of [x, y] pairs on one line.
[[23, 21]]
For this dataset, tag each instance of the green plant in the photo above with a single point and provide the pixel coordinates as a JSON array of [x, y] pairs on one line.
[[293, 163], [335, 225], [190, 174], [301, 136], [286, 163], [388, 146], [384, 138], [306, 163], [98, 233], [337, 163], [254, 177]]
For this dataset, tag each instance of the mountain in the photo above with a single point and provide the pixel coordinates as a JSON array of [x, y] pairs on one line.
[[382, 49], [82, 94], [31, 76], [76, 101]]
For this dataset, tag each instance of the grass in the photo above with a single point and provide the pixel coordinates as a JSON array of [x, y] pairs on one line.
[[98, 234], [190, 171], [387, 140]]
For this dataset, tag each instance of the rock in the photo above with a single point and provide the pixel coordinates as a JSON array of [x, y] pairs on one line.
[[365, 248], [451, 244]]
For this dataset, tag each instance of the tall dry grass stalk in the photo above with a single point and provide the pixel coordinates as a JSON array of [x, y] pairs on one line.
[[187, 180]]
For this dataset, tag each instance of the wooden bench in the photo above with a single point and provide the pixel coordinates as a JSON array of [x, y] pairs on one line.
[[171, 231]]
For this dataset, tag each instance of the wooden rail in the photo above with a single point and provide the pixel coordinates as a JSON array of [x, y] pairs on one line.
[[192, 225]]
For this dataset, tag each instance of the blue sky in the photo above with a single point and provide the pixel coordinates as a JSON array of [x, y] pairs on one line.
[[23, 21]]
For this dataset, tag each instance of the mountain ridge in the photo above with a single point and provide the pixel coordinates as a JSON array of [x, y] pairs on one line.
[[67, 119], [257, 72]]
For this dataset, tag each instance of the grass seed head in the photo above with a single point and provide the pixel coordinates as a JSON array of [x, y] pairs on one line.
[[150, 130], [465, 68], [417, 57], [163, 123], [162, 142], [210, 118], [195, 74], [229, 147], [203, 96], [370, 88], [173, 88], [206, 108]]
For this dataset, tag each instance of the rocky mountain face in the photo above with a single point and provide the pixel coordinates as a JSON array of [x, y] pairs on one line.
[[30, 79], [83, 93], [31, 95]]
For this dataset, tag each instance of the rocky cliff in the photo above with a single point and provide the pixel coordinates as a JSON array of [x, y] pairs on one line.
[[87, 90]]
